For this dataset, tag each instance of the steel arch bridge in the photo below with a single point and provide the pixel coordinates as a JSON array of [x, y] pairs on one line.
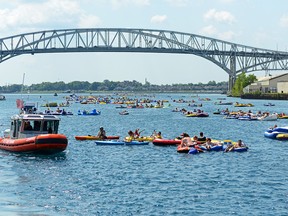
[[231, 57]]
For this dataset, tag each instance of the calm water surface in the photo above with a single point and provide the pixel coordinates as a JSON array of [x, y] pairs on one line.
[[148, 180]]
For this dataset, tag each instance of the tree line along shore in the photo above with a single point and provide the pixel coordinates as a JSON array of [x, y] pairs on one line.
[[106, 85]]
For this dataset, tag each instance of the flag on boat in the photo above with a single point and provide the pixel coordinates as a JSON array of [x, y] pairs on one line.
[[19, 103]]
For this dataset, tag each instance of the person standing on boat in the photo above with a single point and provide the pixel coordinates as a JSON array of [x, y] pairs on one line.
[[102, 133]]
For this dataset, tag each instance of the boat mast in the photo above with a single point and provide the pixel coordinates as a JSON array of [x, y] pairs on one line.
[[22, 87]]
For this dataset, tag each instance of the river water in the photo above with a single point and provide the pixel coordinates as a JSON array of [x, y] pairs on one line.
[[88, 179]]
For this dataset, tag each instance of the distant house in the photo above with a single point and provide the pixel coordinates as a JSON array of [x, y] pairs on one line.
[[271, 84]]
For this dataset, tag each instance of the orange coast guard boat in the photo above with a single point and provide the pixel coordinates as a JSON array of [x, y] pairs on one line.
[[34, 133]]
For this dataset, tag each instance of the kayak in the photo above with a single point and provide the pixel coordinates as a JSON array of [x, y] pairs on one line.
[[135, 142], [141, 139], [109, 142], [116, 142], [89, 137], [166, 142]]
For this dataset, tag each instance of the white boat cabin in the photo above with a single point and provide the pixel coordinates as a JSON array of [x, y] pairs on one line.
[[29, 125]]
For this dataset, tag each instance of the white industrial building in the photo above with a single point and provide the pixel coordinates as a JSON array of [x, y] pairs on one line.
[[269, 84]]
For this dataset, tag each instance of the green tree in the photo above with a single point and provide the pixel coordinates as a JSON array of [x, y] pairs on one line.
[[241, 82]]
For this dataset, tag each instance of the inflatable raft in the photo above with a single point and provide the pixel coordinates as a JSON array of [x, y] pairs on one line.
[[183, 149], [165, 142], [280, 133]]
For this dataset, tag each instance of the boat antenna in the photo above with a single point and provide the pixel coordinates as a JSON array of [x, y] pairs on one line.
[[22, 86]]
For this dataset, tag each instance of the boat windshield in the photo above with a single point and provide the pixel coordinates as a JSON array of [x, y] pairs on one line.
[[49, 126]]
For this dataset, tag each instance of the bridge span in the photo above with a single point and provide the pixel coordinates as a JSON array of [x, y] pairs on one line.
[[231, 57]]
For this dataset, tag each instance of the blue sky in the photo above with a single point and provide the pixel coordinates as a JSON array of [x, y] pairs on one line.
[[262, 24]]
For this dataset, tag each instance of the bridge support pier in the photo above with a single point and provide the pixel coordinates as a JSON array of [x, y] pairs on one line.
[[232, 74], [231, 82]]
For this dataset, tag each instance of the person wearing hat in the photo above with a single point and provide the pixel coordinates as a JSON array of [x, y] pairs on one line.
[[186, 140], [102, 134]]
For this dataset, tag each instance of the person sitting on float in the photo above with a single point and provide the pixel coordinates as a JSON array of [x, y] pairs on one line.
[[239, 144], [186, 140], [208, 144], [201, 138], [195, 140]]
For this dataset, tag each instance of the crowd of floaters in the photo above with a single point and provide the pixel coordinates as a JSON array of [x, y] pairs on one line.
[[43, 135], [184, 143], [195, 144], [195, 107]]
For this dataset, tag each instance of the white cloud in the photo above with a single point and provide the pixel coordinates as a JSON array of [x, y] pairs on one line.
[[141, 2], [211, 31], [227, 36], [208, 30], [178, 3], [158, 18], [44, 13], [284, 21], [89, 21], [219, 16], [226, 1], [120, 3]]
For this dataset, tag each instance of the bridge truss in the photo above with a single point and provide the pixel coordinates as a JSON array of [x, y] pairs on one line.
[[232, 58]]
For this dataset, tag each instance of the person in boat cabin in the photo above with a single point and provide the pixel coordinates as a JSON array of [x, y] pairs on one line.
[[37, 125], [186, 140], [27, 126], [102, 133]]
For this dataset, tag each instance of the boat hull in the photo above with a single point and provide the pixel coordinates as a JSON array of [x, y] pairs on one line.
[[41, 144]]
